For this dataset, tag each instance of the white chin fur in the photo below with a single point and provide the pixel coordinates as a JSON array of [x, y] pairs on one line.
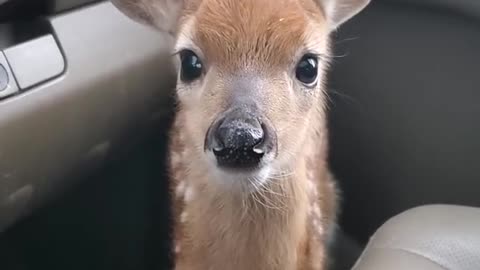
[[243, 181]]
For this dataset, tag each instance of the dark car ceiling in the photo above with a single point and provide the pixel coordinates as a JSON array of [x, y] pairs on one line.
[[15, 10]]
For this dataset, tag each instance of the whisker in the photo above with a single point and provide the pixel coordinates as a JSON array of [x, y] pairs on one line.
[[264, 200], [346, 40]]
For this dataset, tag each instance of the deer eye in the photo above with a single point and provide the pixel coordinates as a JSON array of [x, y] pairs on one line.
[[191, 68], [307, 70]]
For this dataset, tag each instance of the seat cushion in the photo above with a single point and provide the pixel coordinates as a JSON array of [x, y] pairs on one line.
[[434, 237]]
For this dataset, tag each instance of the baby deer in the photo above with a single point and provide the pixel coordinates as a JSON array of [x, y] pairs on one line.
[[248, 152]]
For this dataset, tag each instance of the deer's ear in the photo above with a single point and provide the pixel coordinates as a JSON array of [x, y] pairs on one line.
[[340, 11], [161, 14]]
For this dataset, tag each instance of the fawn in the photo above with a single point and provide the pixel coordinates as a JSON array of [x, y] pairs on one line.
[[251, 187]]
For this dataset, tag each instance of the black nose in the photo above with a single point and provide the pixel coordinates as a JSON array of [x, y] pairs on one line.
[[239, 133], [239, 141]]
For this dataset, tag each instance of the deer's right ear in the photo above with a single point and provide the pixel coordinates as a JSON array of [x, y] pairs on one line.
[[161, 14], [340, 11]]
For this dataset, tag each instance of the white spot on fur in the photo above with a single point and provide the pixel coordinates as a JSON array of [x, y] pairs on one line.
[[314, 189], [183, 217], [310, 176], [189, 194], [316, 218], [181, 137], [310, 186], [316, 211], [175, 158], [315, 223], [177, 248], [309, 210], [180, 192], [320, 230]]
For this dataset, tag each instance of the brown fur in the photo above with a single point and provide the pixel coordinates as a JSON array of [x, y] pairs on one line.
[[269, 39], [274, 228], [249, 50], [227, 229]]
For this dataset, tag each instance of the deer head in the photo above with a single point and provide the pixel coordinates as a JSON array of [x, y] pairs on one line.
[[251, 76]]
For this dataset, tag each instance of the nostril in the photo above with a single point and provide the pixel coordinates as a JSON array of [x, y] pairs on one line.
[[260, 145], [220, 151], [218, 144], [257, 136]]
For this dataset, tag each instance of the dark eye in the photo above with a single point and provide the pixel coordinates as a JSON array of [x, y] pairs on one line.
[[307, 70], [191, 66]]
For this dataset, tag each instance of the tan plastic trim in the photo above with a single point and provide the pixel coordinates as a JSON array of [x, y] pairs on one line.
[[117, 82]]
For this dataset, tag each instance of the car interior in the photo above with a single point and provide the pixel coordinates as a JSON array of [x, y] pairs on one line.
[[86, 101]]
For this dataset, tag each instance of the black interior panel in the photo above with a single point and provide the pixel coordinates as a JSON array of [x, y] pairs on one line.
[[15, 10], [404, 128], [117, 218]]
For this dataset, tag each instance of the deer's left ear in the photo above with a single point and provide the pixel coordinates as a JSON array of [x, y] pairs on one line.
[[340, 11], [160, 14]]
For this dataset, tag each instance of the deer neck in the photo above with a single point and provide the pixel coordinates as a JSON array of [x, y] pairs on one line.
[[264, 229]]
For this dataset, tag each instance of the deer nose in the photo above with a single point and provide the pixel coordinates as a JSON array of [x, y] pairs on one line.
[[239, 134], [239, 142]]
